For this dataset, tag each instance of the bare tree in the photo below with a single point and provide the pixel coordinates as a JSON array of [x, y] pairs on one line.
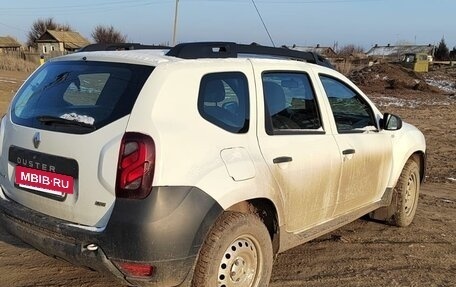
[[350, 49], [107, 34], [40, 26]]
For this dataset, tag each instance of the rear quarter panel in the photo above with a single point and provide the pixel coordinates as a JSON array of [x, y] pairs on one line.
[[190, 150]]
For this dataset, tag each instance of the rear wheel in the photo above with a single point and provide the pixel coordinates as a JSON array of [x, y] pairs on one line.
[[237, 252]]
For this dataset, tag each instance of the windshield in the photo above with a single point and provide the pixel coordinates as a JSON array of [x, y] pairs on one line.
[[82, 94]]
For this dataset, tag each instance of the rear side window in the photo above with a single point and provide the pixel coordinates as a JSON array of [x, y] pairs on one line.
[[78, 97], [224, 101], [290, 104]]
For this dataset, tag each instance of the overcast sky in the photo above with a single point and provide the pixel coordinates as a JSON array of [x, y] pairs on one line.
[[301, 22]]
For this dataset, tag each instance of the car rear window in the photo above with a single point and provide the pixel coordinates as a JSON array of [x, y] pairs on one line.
[[78, 96]]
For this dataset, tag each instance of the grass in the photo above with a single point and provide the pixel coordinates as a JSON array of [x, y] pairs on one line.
[[15, 63], [345, 67]]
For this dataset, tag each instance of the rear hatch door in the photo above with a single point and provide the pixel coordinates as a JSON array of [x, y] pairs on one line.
[[60, 140]]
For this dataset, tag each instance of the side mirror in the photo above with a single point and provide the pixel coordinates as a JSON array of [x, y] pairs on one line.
[[391, 122]]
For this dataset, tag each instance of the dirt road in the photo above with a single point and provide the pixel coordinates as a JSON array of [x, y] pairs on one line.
[[363, 253]]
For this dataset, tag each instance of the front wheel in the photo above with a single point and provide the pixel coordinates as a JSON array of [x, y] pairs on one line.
[[236, 252], [406, 193], [404, 202]]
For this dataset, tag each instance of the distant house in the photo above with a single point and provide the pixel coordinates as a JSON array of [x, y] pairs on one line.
[[397, 52], [324, 51], [9, 44], [53, 41]]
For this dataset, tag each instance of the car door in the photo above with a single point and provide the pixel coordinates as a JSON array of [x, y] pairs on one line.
[[366, 151], [301, 155]]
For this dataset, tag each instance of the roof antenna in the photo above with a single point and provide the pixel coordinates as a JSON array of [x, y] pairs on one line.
[[264, 25]]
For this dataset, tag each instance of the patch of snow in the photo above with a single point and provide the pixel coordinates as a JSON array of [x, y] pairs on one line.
[[78, 118], [396, 102], [443, 84], [452, 179]]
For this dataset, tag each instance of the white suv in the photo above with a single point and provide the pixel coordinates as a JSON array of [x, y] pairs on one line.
[[196, 166]]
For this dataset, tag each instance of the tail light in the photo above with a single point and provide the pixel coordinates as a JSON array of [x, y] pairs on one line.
[[136, 166], [133, 269]]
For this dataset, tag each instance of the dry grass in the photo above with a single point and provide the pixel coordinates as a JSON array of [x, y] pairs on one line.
[[345, 67], [14, 63], [9, 84]]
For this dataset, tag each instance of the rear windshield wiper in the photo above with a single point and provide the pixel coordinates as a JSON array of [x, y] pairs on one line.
[[49, 120]]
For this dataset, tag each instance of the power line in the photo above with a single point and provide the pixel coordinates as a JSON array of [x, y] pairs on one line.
[[319, 1], [12, 27], [72, 9], [290, 1], [88, 6], [264, 25], [122, 4]]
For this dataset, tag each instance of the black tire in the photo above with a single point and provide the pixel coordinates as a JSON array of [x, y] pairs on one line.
[[236, 252], [406, 195]]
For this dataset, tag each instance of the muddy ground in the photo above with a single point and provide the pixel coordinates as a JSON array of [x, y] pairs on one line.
[[363, 253]]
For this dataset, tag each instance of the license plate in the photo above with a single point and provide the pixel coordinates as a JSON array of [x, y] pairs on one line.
[[44, 181]]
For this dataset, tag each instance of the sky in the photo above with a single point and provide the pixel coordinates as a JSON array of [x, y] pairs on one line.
[[302, 22]]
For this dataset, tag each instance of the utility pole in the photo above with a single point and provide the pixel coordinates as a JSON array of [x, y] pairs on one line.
[[175, 22]]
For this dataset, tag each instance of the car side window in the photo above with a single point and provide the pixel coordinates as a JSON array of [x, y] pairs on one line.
[[351, 112], [290, 104], [224, 101]]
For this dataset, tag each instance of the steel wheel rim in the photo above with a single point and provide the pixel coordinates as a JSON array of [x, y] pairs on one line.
[[240, 264], [410, 193]]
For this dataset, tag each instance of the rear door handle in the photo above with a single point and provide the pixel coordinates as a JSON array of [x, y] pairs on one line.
[[282, 159], [348, 151]]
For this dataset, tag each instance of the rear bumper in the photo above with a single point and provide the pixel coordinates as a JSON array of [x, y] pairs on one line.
[[164, 230]]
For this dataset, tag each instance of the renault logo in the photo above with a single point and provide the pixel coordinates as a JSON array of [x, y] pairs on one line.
[[36, 140]]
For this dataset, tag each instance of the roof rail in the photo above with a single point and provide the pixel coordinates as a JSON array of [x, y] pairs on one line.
[[199, 50], [232, 50], [120, 47]]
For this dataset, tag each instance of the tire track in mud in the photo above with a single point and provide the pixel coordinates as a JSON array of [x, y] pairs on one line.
[[366, 253], [363, 253]]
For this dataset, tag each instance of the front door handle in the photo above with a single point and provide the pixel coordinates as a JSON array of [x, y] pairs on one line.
[[349, 151], [282, 159]]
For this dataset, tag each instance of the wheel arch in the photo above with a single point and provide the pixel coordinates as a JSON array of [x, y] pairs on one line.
[[266, 210], [420, 158], [395, 212], [408, 143]]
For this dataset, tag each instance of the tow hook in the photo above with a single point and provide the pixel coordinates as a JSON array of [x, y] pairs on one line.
[[92, 247]]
